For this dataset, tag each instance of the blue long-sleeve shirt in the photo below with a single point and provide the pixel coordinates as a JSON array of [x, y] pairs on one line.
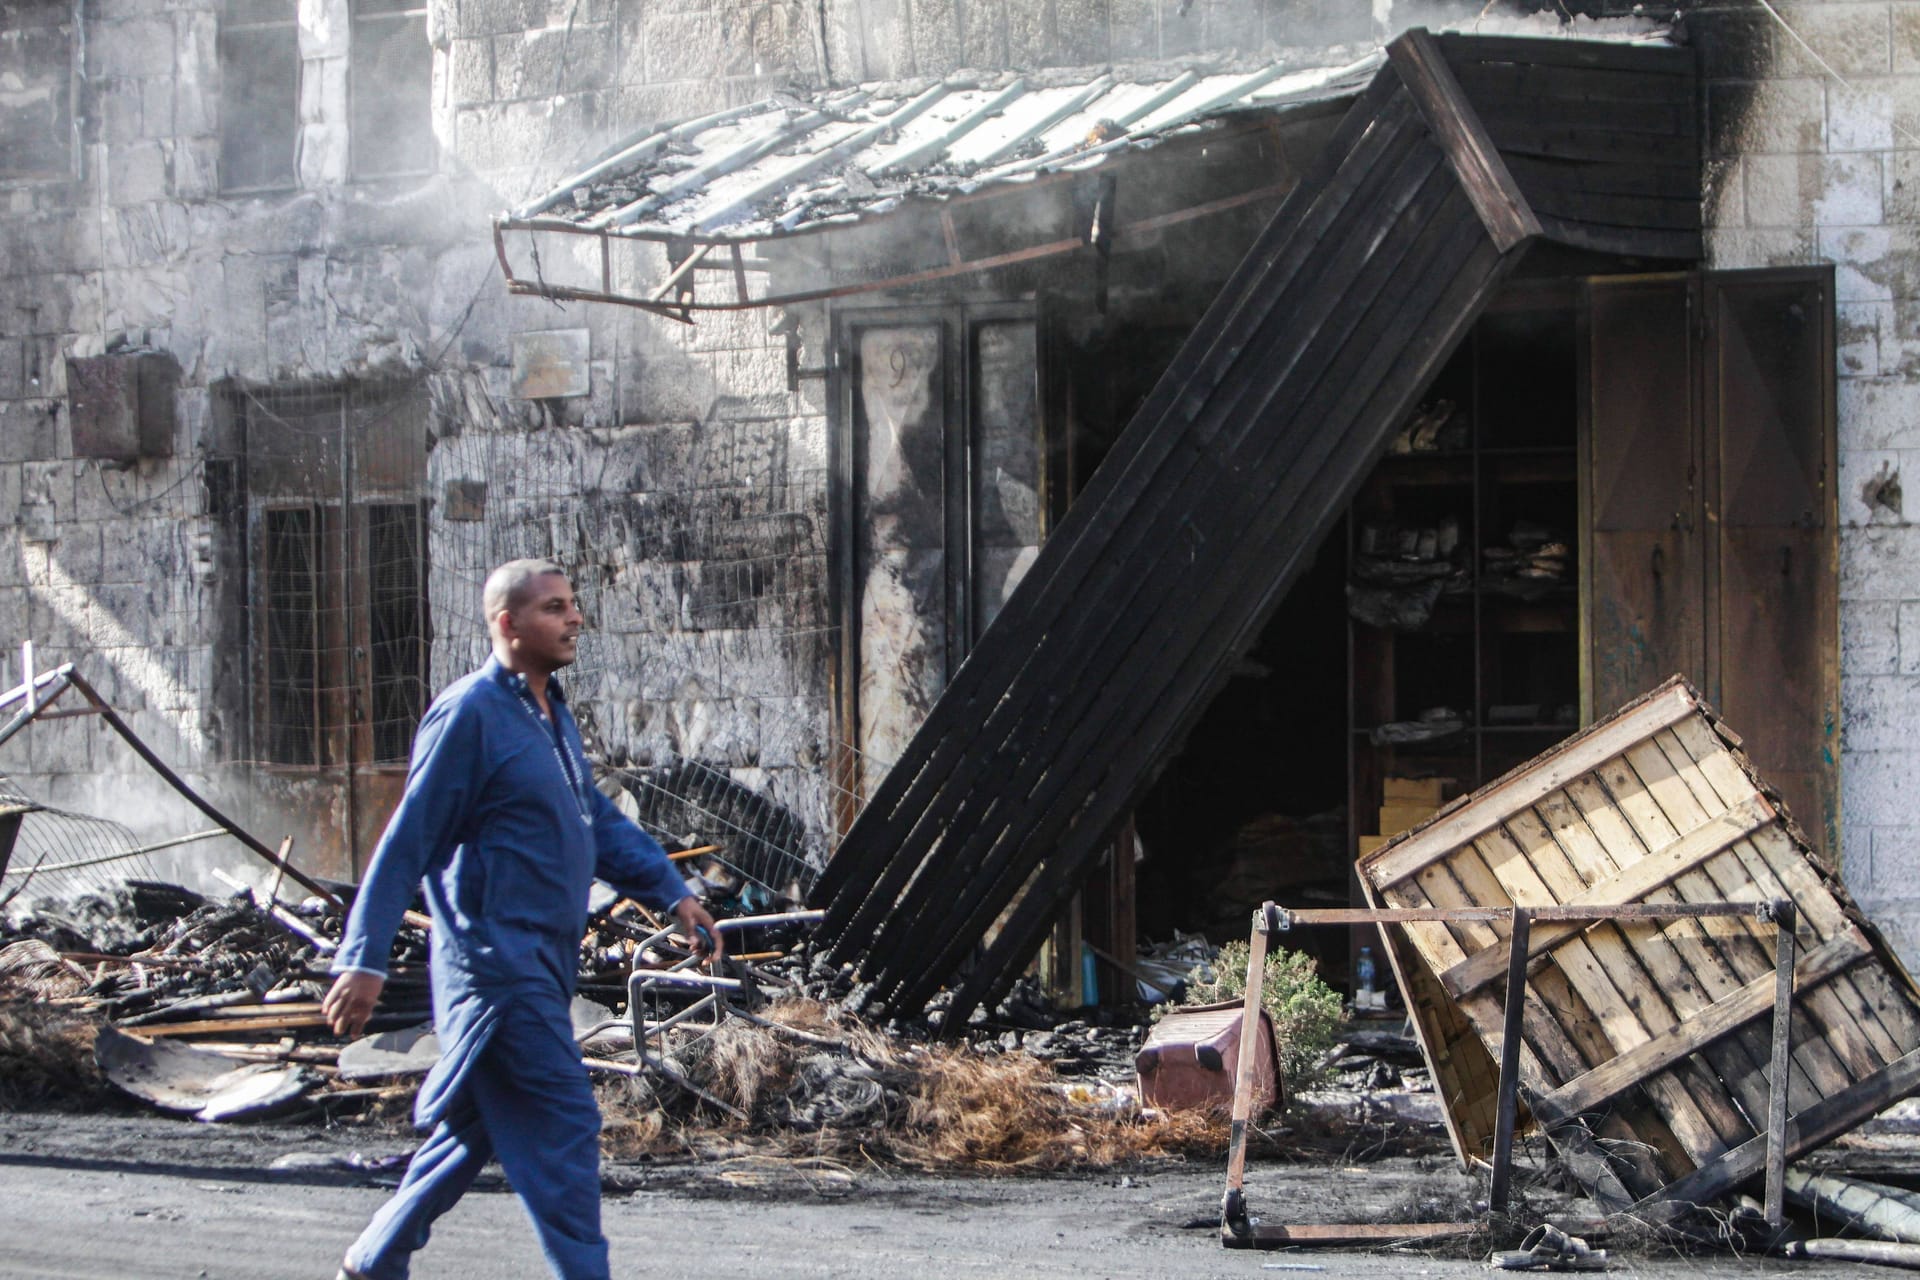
[[501, 822]]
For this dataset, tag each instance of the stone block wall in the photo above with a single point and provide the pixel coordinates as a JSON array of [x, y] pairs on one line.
[[122, 237], [687, 486]]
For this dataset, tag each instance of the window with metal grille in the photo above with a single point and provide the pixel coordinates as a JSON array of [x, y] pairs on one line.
[[390, 83], [259, 95], [345, 655], [338, 547]]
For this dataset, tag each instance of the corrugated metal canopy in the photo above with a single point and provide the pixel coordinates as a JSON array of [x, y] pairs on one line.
[[791, 164]]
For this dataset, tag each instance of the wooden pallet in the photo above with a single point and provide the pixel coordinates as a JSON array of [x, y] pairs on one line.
[[1646, 1045]]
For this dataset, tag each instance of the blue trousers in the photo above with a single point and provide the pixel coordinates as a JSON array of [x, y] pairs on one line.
[[527, 1101]]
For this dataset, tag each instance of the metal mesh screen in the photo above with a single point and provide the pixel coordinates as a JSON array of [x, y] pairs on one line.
[[290, 577], [694, 803], [396, 623], [57, 853]]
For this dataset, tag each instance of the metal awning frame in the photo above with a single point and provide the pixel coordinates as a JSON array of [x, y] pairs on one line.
[[695, 254]]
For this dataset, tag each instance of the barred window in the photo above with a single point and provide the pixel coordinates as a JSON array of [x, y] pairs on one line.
[[345, 654], [340, 629]]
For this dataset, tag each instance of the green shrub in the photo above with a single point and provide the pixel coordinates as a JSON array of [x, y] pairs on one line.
[[1307, 1014]]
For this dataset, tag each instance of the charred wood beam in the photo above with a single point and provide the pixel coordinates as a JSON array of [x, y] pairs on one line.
[[1197, 524], [1165, 587], [849, 879]]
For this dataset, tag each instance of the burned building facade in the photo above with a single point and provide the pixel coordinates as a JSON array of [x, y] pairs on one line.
[[268, 411]]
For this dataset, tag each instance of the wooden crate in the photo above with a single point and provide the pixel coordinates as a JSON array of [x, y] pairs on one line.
[[1647, 1044]]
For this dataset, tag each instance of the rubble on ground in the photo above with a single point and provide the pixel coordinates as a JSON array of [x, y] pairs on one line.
[[210, 1008]]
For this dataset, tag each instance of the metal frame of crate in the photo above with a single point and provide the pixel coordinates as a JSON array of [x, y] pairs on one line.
[[1238, 1228], [1642, 1052]]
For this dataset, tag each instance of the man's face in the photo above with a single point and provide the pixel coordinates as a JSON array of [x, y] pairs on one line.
[[545, 630]]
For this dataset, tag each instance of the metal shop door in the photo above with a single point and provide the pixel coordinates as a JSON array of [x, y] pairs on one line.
[[337, 609]]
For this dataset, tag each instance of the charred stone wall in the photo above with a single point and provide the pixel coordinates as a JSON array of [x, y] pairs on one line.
[[289, 200], [680, 477], [1813, 132]]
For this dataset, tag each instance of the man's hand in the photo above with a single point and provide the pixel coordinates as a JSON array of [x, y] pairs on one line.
[[700, 930], [350, 1002]]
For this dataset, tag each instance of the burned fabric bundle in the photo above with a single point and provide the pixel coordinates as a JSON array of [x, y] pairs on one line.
[[46, 1054]]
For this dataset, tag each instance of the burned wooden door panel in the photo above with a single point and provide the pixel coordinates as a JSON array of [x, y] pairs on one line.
[[9, 833], [1770, 440], [1712, 546], [1008, 464], [945, 490], [899, 523], [1645, 551]]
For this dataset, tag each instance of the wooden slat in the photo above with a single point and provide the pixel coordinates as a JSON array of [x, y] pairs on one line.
[[1730, 952], [1456, 1060], [1471, 152], [1517, 135], [1632, 884], [1571, 859], [1599, 209], [1769, 860], [1491, 82], [1540, 177], [1641, 59], [1638, 124], [1593, 823], [1437, 946], [1581, 754], [235, 1026], [1828, 1030], [1812, 1127], [1880, 1000], [1622, 807], [1629, 1009], [1561, 1041], [1755, 1000], [1687, 944], [1631, 242]]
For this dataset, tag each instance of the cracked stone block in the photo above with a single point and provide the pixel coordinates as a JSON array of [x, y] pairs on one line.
[[137, 172], [1852, 39], [137, 48]]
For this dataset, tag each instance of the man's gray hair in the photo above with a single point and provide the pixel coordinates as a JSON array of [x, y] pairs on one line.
[[508, 586]]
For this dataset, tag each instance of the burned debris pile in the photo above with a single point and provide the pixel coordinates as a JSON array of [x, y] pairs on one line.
[[209, 1008]]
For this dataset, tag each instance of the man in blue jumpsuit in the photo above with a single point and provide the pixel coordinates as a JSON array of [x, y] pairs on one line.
[[502, 824]]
